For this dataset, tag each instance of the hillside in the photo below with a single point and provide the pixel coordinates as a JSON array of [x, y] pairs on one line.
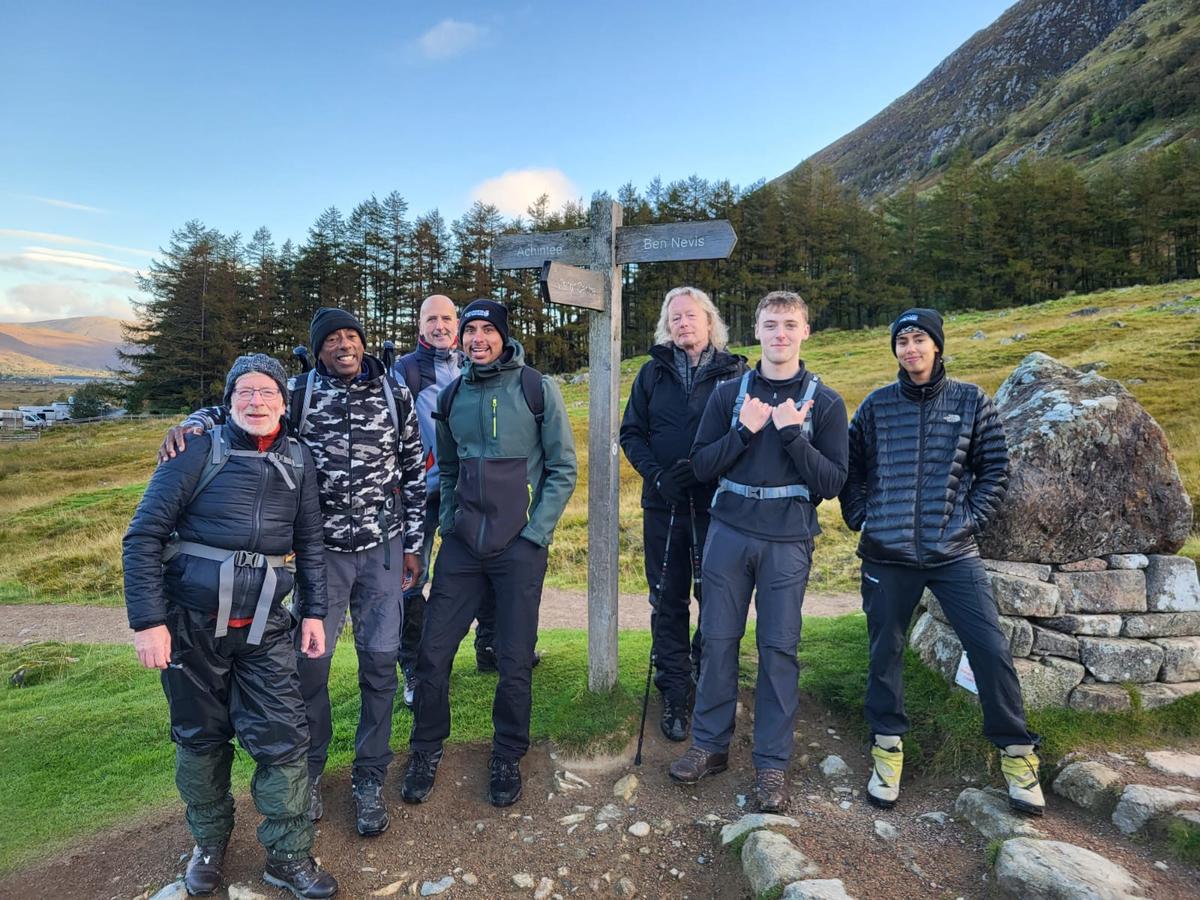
[[83, 345], [66, 500], [1087, 80]]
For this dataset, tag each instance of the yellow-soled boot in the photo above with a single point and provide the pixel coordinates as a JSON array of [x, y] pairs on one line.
[[1019, 764], [887, 753]]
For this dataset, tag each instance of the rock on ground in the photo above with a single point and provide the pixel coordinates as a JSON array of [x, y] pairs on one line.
[[433, 888], [1141, 803], [816, 889], [834, 767], [1052, 870], [173, 891], [752, 822], [886, 830], [1172, 762], [770, 860], [1090, 472], [241, 892], [991, 816], [1091, 785], [626, 787]]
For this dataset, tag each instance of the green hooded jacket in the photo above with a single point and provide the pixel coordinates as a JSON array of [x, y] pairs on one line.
[[503, 476]]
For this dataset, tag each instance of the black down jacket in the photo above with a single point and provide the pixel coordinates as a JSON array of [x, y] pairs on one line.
[[661, 420], [928, 470], [248, 506]]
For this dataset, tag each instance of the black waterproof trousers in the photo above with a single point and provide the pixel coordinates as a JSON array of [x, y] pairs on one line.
[[676, 650], [221, 687], [964, 590], [414, 600], [359, 581], [460, 582]]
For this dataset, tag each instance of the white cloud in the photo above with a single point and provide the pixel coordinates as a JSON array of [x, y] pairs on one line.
[[46, 256], [67, 204], [48, 237], [514, 191], [35, 302], [449, 38]]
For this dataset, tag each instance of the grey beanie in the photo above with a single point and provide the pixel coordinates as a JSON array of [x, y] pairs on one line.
[[256, 362]]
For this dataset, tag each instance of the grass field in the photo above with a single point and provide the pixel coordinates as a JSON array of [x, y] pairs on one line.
[[65, 500]]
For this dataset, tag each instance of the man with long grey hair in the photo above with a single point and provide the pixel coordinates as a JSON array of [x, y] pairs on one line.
[[687, 361]]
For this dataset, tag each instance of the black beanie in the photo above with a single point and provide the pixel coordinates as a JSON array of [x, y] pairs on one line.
[[256, 362], [926, 320], [488, 311], [327, 320]]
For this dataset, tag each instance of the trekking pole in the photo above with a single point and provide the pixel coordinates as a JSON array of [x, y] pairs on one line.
[[637, 759], [697, 581]]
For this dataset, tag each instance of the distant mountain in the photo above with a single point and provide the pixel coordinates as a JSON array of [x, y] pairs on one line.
[[1094, 81], [84, 345]]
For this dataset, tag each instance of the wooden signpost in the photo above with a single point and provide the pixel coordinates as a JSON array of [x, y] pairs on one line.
[[604, 248]]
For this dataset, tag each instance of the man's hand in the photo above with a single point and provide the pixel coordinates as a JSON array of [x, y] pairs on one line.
[[312, 638], [412, 570], [153, 647], [754, 414], [175, 442], [786, 413]]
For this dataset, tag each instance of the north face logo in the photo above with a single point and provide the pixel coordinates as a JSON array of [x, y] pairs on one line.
[[910, 318]]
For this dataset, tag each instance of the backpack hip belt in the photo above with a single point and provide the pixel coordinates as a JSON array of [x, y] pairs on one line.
[[230, 561], [761, 492]]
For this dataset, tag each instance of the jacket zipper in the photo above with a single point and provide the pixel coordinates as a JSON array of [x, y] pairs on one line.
[[259, 496], [350, 474], [920, 472], [493, 418]]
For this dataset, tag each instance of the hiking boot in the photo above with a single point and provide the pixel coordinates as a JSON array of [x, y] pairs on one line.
[[504, 786], [419, 775], [303, 877], [1019, 764], [410, 687], [770, 789], [887, 752], [371, 815], [316, 804], [674, 722], [203, 874], [485, 660], [697, 764]]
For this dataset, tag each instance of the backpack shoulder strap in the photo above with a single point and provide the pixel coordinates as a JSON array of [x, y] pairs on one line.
[[743, 389], [390, 396], [410, 371], [217, 457], [535, 393], [445, 400], [810, 391], [302, 403]]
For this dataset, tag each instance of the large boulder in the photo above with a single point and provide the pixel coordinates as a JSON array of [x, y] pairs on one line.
[[1090, 472], [1053, 870]]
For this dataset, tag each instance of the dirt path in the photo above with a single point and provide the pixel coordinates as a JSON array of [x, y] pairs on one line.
[[560, 609]]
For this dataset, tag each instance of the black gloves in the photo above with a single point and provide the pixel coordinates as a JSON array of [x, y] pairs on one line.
[[675, 481]]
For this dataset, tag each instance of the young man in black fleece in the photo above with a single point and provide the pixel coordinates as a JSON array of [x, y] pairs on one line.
[[775, 443]]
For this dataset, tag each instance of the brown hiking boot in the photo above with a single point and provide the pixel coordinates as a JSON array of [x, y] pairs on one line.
[[696, 764], [770, 789]]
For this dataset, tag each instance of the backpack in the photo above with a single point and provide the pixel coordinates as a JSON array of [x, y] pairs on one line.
[[416, 377], [531, 387], [302, 403], [221, 451], [809, 392]]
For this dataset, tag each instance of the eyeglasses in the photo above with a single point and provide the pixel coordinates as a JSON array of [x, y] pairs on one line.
[[267, 394]]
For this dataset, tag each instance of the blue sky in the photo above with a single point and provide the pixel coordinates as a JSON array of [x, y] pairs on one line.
[[124, 120]]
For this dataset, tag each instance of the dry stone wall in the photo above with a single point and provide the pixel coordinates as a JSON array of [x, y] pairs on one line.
[[1082, 633]]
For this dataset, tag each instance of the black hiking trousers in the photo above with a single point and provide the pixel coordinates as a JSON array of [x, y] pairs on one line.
[[460, 583], [676, 650], [964, 590], [219, 688]]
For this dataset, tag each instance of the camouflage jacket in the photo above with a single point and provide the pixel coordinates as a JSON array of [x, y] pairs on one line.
[[366, 473]]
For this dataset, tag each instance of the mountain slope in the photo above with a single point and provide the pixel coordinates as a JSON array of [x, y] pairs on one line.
[[1082, 77], [82, 345]]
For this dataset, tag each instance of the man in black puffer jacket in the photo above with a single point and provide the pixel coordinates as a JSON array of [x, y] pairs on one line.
[[666, 402], [928, 470], [205, 571]]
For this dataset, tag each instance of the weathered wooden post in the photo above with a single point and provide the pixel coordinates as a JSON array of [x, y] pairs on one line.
[[604, 247]]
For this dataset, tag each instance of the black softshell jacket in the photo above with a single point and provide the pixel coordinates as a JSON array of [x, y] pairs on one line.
[[248, 506], [928, 470], [773, 457], [661, 419]]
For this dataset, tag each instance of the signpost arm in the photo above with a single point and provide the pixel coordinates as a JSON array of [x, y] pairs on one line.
[[604, 472]]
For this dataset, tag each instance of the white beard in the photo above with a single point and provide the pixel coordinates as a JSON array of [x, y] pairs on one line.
[[259, 428]]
